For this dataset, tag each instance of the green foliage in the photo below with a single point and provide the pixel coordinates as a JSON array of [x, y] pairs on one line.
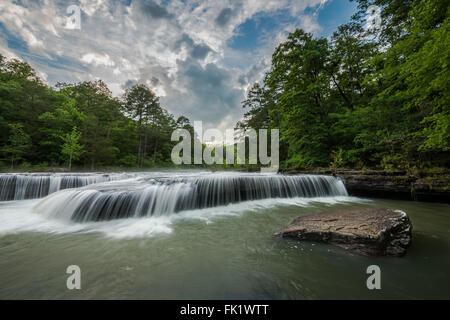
[[358, 99], [377, 99], [128, 161], [71, 148], [153, 123], [80, 123], [337, 159], [19, 143], [56, 124]]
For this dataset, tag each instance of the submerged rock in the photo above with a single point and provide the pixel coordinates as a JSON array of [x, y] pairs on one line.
[[368, 232]]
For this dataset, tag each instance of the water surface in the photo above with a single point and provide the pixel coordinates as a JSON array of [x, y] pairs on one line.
[[224, 252]]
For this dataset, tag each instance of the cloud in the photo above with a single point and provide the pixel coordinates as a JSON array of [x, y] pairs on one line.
[[208, 93], [179, 48], [129, 83], [224, 16], [155, 81], [254, 73], [197, 51], [153, 10], [98, 59]]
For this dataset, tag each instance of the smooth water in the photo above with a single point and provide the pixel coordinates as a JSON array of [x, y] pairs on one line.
[[221, 252]]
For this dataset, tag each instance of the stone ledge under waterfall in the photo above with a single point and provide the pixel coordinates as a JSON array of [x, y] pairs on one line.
[[155, 196], [22, 186]]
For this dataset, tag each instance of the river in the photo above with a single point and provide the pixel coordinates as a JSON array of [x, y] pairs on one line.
[[161, 244]]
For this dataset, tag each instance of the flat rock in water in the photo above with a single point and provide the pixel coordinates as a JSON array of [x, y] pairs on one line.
[[369, 232]]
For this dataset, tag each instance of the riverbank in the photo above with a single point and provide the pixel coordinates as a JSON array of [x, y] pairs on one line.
[[434, 187]]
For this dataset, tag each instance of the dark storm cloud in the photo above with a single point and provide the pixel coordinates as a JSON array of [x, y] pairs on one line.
[[253, 73], [197, 51], [224, 17], [153, 10], [242, 80], [128, 84], [155, 81], [200, 51], [205, 78], [212, 96], [160, 43]]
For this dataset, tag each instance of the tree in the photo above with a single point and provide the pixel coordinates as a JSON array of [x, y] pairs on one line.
[[23, 98], [300, 81], [19, 143], [359, 99], [71, 148], [411, 99], [141, 104], [377, 98], [57, 123], [394, 14], [109, 133]]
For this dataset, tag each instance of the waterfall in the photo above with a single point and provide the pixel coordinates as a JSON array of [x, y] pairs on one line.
[[162, 196], [30, 186]]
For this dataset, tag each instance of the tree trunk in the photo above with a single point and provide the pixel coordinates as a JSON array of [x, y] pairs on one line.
[[140, 139], [144, 147], [139, 155], [154, 151]]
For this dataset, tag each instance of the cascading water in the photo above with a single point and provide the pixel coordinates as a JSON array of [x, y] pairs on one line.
[[31, 186], [161, 196]]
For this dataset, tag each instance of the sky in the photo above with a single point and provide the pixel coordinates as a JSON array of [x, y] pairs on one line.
[[199, 57]]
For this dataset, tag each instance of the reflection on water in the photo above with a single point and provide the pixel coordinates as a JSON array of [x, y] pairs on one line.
[[225, 252]]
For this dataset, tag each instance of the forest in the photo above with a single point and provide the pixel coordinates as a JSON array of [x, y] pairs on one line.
[[365, 97], [80, 124], [362, 98]]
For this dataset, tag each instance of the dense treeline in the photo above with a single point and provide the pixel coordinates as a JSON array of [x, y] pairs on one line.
[[366, 97], [80, 124]]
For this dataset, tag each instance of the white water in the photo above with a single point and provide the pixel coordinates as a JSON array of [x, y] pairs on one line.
[[22, 186], [160, 196], [152, 202], [220, 252], [21, 216]]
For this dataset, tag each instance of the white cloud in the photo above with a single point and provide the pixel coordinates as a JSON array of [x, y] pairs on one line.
[[181, 50], [98, 60]]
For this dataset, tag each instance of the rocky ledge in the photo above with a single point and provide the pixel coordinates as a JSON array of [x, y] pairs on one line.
[[382, 232], [390, 184]]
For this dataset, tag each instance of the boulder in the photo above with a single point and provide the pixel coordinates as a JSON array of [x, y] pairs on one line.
[[384, 232]]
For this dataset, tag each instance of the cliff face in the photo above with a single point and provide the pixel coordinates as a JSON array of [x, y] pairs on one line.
[[395, 184], [430, 188]]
